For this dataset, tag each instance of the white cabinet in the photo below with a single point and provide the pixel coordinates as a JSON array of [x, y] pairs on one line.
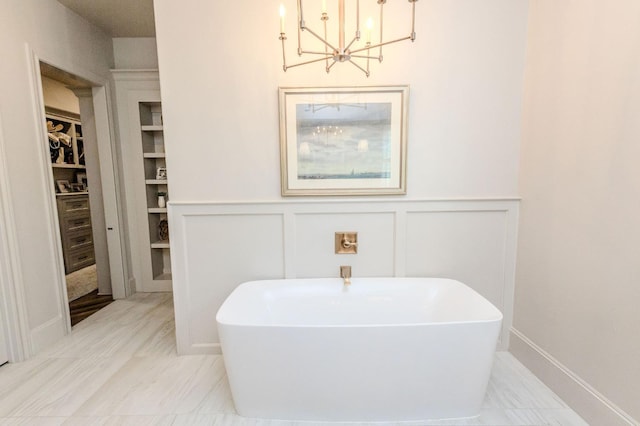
[[145, 177]]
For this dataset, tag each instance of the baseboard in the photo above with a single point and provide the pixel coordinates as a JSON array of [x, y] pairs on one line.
[[45, 335], [594, 407], [200, 349]]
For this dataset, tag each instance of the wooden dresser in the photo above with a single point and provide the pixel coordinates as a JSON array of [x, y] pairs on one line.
[[74, 217]]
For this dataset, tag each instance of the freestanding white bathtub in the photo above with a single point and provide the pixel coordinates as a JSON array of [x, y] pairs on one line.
[[381, 349]]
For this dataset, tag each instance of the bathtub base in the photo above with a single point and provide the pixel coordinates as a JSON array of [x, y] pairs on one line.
[[381, 350], [441, 373]]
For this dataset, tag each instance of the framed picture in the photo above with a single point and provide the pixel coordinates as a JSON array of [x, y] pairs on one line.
[[161, 173], [343, 140], [63, 186], [82, 178], [78, 187]]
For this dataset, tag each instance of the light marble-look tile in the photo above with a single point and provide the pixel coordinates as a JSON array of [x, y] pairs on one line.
[[554, 417], [513, 386], [59, 387], [119, 367], [140, 324], [138, 307], [13, 375], [157, 385], [121, 421], [162, 343], [32, 421]]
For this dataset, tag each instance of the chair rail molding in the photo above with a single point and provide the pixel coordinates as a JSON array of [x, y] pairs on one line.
[[217, 246]]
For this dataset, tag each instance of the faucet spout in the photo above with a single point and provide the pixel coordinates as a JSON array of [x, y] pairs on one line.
[[345, 273]]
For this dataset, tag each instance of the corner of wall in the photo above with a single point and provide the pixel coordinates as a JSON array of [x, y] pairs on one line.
[[594, 407]]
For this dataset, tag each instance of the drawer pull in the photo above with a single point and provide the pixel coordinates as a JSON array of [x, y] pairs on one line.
[[78, 222], [83, 257], [81, 240]]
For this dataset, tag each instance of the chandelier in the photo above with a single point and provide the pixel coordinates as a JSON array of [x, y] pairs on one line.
[[350, 52]]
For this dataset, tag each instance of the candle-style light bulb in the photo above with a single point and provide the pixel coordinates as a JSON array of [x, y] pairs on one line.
[[369, 28], [324, 6], [282, 13]]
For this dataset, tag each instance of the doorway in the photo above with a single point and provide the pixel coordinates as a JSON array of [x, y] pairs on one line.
[[78, 190]]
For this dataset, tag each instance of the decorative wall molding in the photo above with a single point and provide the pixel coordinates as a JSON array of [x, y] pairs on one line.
[[593, 406], [41, 340], [217, 246], [14, 306]]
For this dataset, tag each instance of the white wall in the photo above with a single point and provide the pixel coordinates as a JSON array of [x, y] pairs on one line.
[[135, 53], [220, 69], [577, 288], [59, 37]]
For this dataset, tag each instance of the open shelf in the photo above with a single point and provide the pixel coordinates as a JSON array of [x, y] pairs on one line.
[[154, 155], [67, 166], [163, 244], [157, 209], [151, 128]]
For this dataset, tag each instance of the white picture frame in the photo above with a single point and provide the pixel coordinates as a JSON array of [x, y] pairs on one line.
[[343, 140]]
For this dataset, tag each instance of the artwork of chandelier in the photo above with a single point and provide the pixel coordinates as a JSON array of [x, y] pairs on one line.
[[355, 51]]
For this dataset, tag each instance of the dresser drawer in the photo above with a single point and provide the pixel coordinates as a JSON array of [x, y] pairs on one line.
[[74, 206], [73, 224], [79, 258], [78, 239]]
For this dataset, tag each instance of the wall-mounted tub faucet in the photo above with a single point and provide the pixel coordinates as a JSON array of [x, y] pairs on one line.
[[345, 273], [346, 242]]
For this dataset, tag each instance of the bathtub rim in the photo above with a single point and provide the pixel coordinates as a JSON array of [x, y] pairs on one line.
[[227, 323]]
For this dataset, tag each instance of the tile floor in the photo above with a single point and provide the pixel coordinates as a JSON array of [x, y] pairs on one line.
[[119, 367]]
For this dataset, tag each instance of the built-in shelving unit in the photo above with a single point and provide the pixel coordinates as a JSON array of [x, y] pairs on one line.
[[143, 153], [66, 145], [66, 150], [155, 181]]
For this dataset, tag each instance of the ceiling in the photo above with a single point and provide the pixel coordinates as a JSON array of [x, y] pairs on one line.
[[118, 18]]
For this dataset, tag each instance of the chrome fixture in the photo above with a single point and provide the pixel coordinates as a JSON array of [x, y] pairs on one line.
[[342, 52], [345, 273], [346, 243]]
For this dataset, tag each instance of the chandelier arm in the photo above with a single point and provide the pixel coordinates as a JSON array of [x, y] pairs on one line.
[[357, 20], [413, 19], [307, 62], [381, 44], [356, 38], [284, 58], [325, 18], [364, 57], [360, 68], [381, 23], [320, 38], [327, 54], [300, 26]]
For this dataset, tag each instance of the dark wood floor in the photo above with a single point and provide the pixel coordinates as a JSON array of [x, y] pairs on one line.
[[87, 305]]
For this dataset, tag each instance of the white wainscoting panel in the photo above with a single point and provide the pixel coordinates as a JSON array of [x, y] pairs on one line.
[[315, 244], [217, 246]]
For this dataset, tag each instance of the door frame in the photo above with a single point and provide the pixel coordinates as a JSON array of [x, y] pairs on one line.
[[105, 134], [13, 308]]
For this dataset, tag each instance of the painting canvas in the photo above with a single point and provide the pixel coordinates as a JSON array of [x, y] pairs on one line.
[[343, 141]]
